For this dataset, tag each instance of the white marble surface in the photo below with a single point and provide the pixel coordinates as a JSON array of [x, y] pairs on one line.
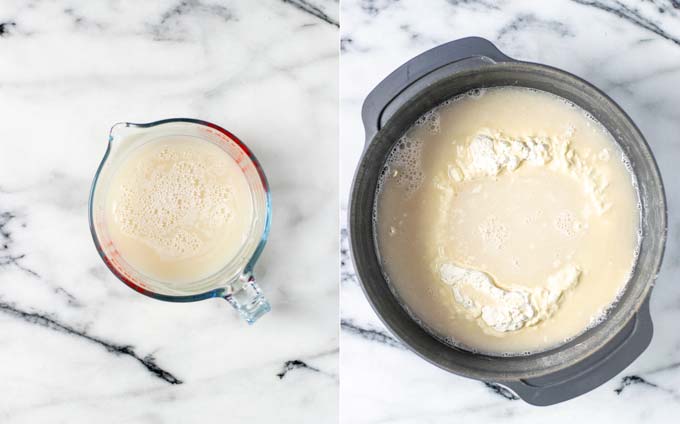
[[78, 346], [629, 49]]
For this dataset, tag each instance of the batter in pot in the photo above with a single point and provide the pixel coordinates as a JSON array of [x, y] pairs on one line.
[[507, 220]]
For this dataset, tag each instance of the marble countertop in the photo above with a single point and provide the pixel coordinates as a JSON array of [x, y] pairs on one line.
[[631, 50], [76, 345]]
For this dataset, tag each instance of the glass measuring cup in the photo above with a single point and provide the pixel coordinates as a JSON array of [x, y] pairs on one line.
[[234, 281]]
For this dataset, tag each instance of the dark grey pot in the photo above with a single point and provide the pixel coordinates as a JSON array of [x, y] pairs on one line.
[[543, 378]]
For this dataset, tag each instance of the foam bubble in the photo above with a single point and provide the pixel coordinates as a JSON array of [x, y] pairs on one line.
[[173, 201], [431, 120], [567, 224], [403, 164], [476, 93]]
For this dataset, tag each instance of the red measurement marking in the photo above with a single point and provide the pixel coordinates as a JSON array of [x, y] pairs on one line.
[[228, 138]]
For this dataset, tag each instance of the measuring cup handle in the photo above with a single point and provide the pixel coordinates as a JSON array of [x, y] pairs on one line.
[[246, 297]]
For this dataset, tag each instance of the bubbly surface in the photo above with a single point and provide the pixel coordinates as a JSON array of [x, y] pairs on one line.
[[507, 220], [179, 209]]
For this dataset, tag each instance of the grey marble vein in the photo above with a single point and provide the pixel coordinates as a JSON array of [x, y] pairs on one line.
[[630, 14], [7, 257], [664, 368], [370, 334], [528, 21], [347, 274], [81, 21], [345, 43], [477, 5], [169, 26], [10, 258], [375, 7]]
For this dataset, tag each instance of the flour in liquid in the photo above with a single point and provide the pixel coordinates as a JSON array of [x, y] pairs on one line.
[[507, 220]]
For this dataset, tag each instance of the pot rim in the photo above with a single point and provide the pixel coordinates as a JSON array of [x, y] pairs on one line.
[[486, 374]]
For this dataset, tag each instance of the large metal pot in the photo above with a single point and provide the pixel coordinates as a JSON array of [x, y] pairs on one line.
[[542, 378]]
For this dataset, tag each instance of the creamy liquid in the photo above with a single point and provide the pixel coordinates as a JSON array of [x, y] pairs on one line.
[[507, 221], [178, 209]]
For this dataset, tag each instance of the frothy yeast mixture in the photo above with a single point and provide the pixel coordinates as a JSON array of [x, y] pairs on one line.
[[178, 209], [507, 220]]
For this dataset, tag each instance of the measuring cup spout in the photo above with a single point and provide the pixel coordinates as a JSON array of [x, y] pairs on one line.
[[119, 131]]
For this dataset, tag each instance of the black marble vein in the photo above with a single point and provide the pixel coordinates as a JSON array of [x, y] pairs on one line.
[[310, 9], [148, 361], [501, 391], [631, 15], [370, 334], [5, 28], [630, 380], [635, 379], [293, 365]]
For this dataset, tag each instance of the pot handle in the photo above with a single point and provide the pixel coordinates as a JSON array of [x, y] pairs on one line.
[[372, 112], [593, 371]]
